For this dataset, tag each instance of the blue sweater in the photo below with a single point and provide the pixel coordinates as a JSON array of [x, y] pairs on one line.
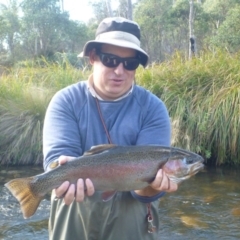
[[72, 124]]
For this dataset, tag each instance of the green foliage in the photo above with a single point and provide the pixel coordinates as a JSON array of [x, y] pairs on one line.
[[228, 34], [45, 27], [47, 31], [9, 26], [153, 17], [123, 8], [100, 10], [34, 28], [203, 99]]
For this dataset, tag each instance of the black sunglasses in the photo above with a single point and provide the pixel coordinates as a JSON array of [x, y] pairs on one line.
[[112, 61]]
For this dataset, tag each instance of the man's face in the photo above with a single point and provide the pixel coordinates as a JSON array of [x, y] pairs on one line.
[[112, 83]]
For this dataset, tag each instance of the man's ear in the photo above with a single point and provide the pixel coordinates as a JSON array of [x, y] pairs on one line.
[[92, 56]]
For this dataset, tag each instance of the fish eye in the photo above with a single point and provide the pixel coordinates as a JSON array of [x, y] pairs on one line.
[[190, 161], [185, 160]]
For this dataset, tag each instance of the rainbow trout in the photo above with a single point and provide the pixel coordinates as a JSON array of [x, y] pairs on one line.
[[111, 168]]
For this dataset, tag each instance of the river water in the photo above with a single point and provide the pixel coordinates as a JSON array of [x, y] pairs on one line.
[[207, 206]]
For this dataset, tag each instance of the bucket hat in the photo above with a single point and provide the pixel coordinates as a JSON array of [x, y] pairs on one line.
[[120, 32]]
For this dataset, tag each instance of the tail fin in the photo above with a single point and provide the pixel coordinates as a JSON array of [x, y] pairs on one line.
[[22, 191]]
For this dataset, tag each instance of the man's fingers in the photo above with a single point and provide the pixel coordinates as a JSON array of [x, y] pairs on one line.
[[70, 195], [71, 192], [80, 190], [158, 180], [90, 187], [63, 159], [80, 194], [61, 190], [163, 183], [173, 187]]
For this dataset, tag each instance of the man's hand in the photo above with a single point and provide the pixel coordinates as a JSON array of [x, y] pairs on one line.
[[69, 192], [161, 183]]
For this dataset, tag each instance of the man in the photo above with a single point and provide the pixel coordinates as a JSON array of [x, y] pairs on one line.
[[108, 108]]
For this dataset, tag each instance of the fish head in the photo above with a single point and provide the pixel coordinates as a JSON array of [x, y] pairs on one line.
[[182, 164]]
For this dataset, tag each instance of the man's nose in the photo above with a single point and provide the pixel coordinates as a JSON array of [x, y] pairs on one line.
[[119, 69]]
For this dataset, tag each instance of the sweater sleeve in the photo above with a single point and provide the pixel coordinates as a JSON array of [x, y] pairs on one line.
[[156, 127], [145, 199], [60, 131]]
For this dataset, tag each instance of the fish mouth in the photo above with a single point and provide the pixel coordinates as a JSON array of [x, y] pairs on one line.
[[195, 168]]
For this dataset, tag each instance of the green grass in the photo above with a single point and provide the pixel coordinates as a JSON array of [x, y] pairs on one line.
[[202, 96], [25, 92]]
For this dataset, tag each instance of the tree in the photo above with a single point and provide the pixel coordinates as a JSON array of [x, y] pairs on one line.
[[129, 9], [218, 9], [125, 9], [228, 34], [76, 34], [100, 10], [164, 26], [109, 8], [122, 10], [167, 26], [192, 39], [9, 25], [44, 30]]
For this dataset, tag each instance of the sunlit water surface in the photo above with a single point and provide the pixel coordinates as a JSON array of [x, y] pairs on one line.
[[205, 207]]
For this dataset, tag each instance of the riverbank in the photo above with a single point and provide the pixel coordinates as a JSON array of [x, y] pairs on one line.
[[202, 96]]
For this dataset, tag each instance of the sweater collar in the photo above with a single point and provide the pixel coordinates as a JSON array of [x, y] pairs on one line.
[[94, 94]]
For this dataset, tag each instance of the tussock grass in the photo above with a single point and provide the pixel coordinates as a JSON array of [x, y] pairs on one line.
[[25, 92], [203, 98]]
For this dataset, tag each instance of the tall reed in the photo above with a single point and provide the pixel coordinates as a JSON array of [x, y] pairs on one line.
[[203, 99]]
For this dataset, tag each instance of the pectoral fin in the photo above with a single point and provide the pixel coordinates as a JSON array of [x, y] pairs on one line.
[[106, 196]]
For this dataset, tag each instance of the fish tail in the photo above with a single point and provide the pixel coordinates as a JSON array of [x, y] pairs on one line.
[[22, 190]]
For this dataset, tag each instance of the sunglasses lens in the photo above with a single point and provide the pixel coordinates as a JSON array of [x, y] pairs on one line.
[[109, 61], [131, 64], [113, 61]]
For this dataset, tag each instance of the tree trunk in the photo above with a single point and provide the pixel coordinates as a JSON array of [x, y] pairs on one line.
[[10, 43], [129, 10], [109, 8], [192, 40], [36, 46], [62, 5]]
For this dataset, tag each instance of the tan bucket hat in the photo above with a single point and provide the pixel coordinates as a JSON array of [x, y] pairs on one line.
[[120, 32]]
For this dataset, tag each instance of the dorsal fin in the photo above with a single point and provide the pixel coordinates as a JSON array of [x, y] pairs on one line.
[[98, 149]]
